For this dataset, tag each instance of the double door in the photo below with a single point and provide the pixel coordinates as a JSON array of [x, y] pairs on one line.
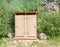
[[25, 26]]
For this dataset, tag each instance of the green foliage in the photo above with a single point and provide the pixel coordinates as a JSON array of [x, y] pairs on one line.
[[48, 21], [7, 9]]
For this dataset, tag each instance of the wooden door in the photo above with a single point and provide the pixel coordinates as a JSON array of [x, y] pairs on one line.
[[32, 30], [19, 26], [25, 26]]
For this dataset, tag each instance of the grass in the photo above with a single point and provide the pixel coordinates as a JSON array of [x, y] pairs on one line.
[[3, 41], [55, 41], [52, 42]]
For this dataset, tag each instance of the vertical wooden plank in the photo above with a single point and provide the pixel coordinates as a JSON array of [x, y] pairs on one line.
[[26, 25]]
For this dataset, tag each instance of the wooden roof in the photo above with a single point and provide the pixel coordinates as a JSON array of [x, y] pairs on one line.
[[25, 13]]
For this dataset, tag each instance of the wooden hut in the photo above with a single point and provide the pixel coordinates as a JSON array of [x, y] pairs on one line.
[[26, 25]]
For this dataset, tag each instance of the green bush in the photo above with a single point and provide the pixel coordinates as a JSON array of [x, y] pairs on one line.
[[7, 10], [48, 21]]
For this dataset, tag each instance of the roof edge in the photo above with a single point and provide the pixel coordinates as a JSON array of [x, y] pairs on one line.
[[25, 13]]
